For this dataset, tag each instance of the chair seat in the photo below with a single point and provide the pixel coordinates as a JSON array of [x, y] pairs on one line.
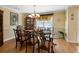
[[43, 48]]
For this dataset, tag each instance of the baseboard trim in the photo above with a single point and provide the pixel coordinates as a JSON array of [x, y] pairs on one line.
[[8, 39], [71, 41]]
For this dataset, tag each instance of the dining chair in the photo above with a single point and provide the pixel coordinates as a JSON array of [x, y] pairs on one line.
[[43, 43], [36, 42], [31, 40], [28, 38], [20, 38]]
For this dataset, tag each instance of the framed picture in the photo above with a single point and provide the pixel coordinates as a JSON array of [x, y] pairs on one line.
[[13, 18]]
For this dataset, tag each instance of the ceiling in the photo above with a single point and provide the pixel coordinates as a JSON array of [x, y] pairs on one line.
[[38, 8]]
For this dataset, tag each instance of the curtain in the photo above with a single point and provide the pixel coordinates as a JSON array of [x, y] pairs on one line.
[[45, 17]]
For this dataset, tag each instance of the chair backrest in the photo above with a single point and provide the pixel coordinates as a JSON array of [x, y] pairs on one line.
[[41, 37], [18, 34], [38, 37], [19, 27], [26, 33], [44, 36]]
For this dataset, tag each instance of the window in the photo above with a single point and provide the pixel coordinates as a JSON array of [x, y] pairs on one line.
[[39, 24], [47, 24], [44, 24]]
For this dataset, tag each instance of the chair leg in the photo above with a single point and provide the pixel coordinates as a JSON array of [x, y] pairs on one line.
[[33, 48], [26, 46], [38, 48], [21, 45], [33, 44], [52, 51], [49, 47], [16, 44]]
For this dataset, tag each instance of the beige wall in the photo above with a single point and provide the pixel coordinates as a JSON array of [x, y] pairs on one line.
[[24, 15], [59, 20], [7, 28], [21, 19]]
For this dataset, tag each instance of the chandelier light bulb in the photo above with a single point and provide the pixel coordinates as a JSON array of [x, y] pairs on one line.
[[30, 16], [38, 15]]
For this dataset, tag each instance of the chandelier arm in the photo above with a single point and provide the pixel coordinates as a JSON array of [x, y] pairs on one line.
[[34, 15]]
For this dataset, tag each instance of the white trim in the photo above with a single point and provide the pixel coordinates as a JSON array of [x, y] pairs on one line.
[[66, 25], [8, 39], [78, 26]]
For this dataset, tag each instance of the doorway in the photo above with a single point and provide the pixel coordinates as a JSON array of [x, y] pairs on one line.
[[1, 27]]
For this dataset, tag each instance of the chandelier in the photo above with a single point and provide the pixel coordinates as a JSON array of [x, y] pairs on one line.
[[34, 15]]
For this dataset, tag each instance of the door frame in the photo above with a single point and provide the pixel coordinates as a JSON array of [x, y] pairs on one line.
[[1, 12]]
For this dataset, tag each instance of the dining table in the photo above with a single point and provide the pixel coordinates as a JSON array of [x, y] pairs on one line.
[[48, 35]]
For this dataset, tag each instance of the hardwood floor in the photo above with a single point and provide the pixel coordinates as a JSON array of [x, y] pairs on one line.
[[64, 47], [61, 47]]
